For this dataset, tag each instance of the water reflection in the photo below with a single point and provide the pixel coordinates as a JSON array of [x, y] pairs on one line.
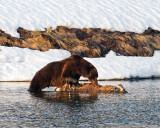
[[68, 98]]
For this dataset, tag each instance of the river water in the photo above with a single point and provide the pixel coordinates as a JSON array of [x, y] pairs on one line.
[[140, 107]]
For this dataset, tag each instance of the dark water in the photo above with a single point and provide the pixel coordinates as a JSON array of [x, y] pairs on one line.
[[140, 107]]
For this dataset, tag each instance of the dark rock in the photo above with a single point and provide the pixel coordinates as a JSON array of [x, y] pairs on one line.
[[81, 35], [151, 31], [24, 34]]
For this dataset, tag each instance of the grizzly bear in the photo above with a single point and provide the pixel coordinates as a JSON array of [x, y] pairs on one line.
[[67, 71]]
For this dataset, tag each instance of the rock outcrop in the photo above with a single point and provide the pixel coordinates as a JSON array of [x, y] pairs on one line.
[[87, 42]]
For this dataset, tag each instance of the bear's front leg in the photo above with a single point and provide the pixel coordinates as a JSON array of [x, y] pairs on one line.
[[71, 81], [93, 80]]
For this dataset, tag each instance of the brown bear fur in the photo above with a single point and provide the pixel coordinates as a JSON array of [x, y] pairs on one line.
[[65, 71]]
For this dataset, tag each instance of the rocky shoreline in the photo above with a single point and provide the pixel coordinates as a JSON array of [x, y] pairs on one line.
[[87, 42]]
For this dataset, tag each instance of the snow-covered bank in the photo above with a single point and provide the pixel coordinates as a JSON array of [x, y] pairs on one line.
[[120, 67], [20, 64], [123, 15]]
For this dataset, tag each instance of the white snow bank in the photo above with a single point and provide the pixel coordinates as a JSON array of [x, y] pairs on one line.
[[123, 15], [112, 66], [20, 64]]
